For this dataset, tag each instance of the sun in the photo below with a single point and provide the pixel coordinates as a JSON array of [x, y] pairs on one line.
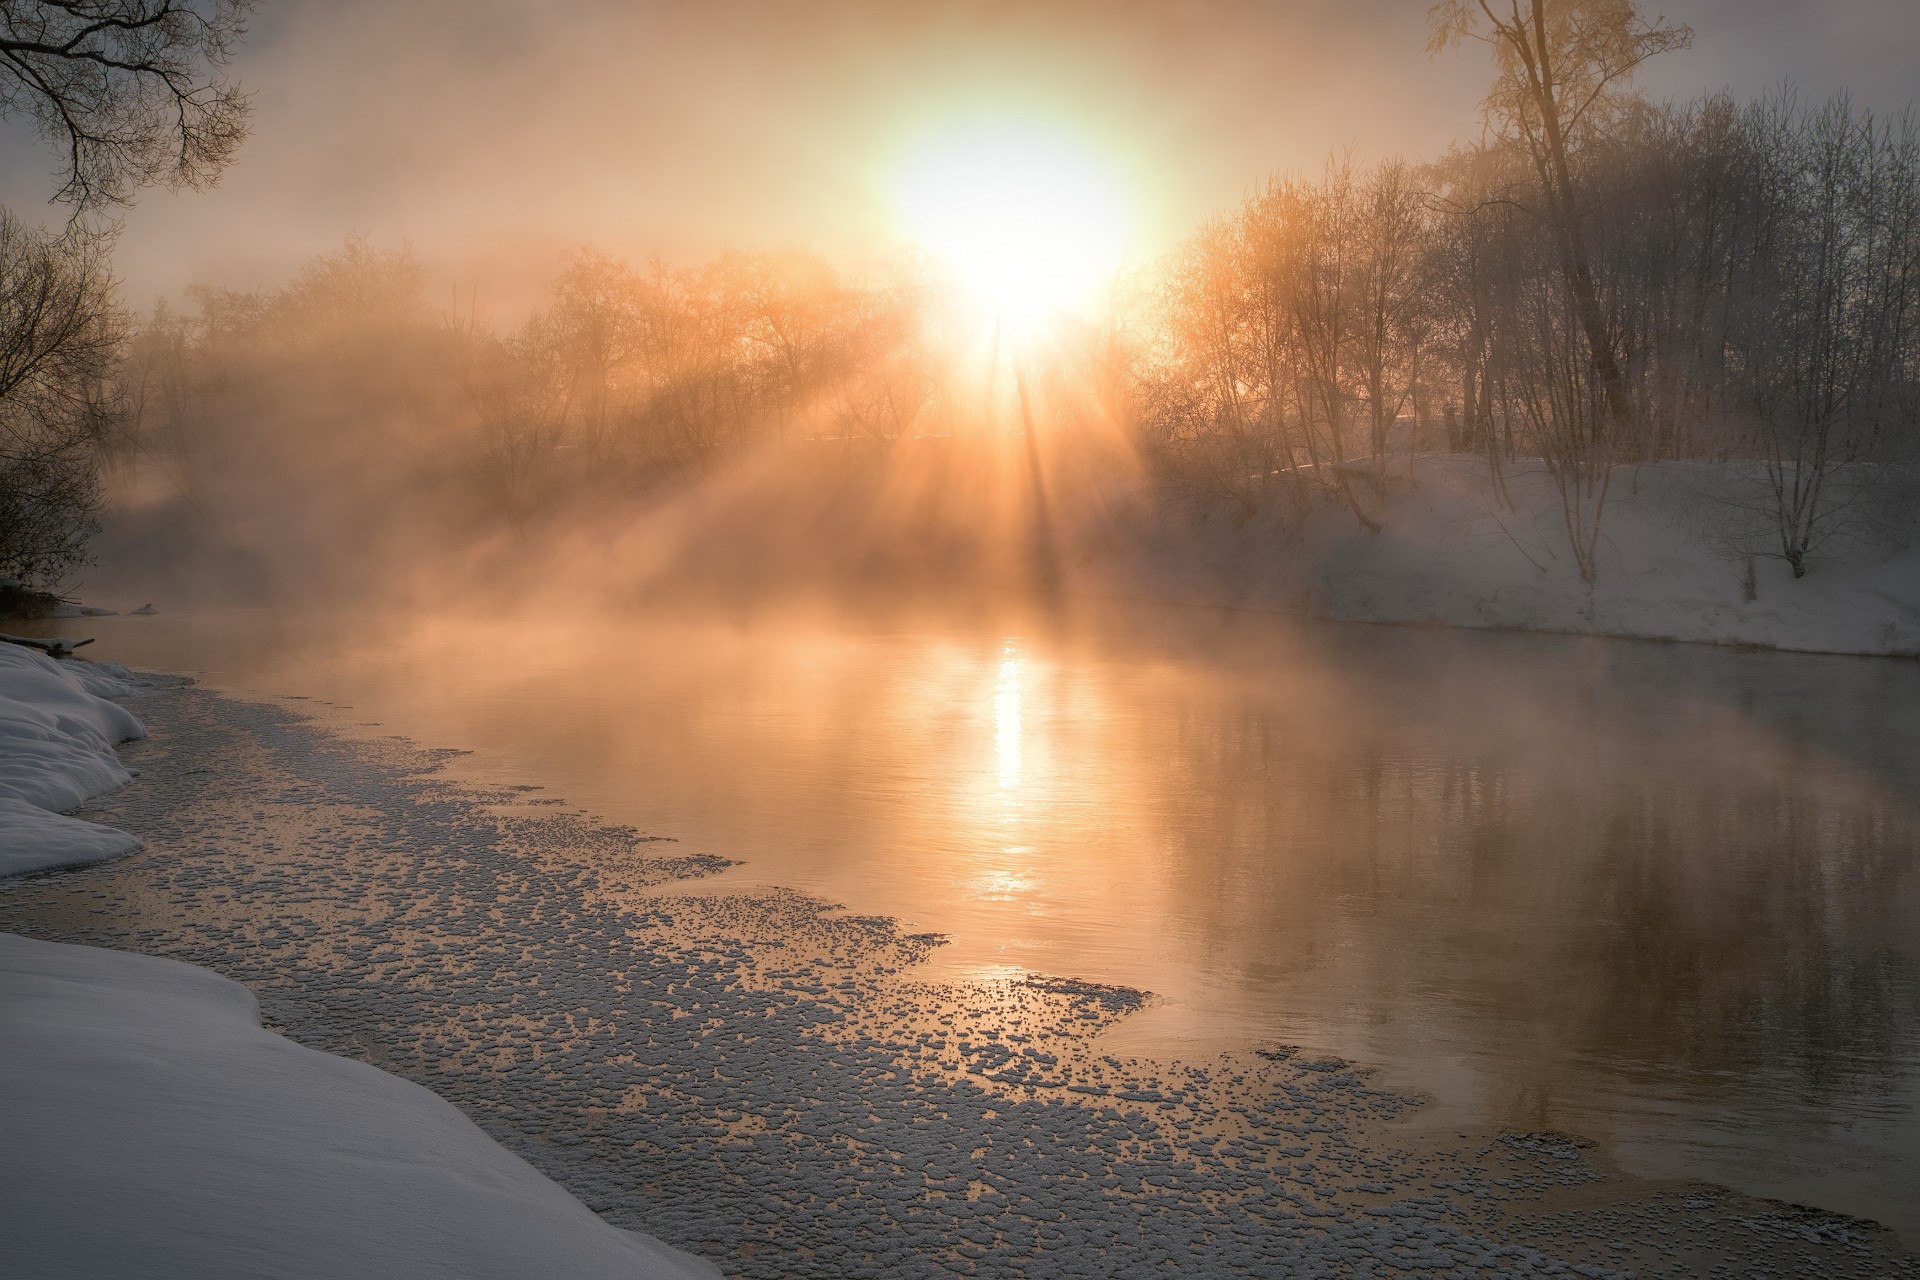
[[1026, 218]]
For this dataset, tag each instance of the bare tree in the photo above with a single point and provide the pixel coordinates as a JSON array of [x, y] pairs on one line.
[[593, 333], [1564, 73], [1390, 323], [1214, 398], [1285, 318], [1322, 268], [157, 383], [879, 376], [128, 91], [1565, 66], [59, 337], [1826, 311]]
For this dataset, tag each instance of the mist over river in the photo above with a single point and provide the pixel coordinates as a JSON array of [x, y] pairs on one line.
[[1665, 897]]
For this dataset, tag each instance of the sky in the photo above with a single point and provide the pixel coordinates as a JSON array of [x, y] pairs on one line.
[[491, 134]]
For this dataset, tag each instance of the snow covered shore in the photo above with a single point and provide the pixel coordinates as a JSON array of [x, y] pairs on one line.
[[154, 1128], [57, 734], [1673, 564]]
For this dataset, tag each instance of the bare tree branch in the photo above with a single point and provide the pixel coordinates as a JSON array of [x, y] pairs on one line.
[[130, 91]]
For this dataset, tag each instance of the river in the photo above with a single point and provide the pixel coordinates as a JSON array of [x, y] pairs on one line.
[[1666, 897]]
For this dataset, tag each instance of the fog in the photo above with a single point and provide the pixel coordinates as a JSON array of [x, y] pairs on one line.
[[580, 389], [492, 135]]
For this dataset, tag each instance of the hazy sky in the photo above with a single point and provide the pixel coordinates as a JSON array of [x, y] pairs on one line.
[[491, 132]]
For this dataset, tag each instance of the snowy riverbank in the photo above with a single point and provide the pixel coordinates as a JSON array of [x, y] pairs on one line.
[[155, 1128], [1673, 564], [57, 734]]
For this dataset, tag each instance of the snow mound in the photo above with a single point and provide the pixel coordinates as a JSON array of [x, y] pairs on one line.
[[169, 1135], [34, 840], [57, 734]]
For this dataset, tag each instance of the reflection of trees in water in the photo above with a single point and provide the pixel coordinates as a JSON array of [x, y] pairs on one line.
[[1594, 868], [1554, 852]]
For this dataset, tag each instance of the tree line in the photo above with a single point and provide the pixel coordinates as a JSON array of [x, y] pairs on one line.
[[623, 380], [128, 94], [1598, 282], [1748, 293]]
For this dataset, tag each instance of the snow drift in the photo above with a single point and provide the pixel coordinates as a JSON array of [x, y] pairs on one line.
[[57, 734], [157, 1130]]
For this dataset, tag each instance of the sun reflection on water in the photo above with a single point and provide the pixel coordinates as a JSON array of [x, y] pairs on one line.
[[1382, 844], [1005, 883], [1006, 721]]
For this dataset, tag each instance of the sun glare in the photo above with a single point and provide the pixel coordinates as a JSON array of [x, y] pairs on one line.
[[1029, 220]]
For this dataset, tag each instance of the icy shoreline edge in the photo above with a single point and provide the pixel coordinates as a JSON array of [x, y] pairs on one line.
[[159, 1129]]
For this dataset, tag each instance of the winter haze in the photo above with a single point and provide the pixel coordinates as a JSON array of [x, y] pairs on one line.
[[492, 133]]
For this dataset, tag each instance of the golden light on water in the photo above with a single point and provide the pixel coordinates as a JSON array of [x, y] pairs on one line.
[[1006, 724], [1028, 218], [1007, 875]]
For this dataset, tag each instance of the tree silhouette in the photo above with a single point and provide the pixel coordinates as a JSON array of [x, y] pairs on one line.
[[128, 91]]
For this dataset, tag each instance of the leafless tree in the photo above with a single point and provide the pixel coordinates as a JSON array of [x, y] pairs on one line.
[[1826, 310], [1320, 266], [1564, 71], [1213, 400], [1286, 320], [128, 91], [1391, 320], [59, 336], [590, 336]]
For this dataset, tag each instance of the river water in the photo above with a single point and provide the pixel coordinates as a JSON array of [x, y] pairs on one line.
[[1665, 897]]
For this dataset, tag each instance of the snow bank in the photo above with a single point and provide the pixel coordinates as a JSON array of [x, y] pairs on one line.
[[57, 734], [155, 1129], [34, 840], [1452, 553]]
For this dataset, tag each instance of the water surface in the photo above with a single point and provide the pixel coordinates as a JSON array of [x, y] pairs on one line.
[[1667, 897]]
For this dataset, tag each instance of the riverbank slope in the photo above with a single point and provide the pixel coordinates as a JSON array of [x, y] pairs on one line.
[[1676, 560]]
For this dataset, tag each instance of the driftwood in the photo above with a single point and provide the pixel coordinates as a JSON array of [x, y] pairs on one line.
[[52, 646]]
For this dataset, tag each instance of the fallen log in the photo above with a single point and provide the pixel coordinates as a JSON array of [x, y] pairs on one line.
[[52, 646]]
